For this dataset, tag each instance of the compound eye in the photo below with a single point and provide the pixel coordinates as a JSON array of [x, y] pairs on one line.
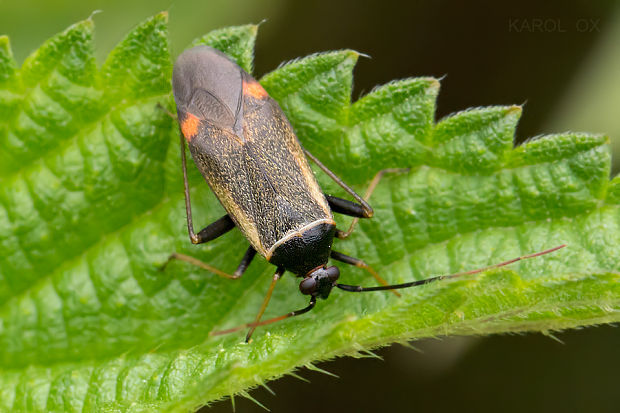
[[307, 286], [333, 273]]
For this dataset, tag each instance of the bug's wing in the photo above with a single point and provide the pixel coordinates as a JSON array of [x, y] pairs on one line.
[[208, 106], [262, 177], [290, 198], [245, 148]]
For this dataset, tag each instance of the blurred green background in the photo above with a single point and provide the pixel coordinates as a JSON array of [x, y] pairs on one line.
[[561, 58]]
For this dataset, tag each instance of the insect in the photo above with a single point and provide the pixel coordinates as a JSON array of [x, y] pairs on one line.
[[247, 152]]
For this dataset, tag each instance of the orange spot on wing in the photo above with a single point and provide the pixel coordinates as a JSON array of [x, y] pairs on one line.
[[254, 89], [189, 126]]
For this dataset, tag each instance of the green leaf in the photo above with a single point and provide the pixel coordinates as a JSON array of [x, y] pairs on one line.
[[91, 204]]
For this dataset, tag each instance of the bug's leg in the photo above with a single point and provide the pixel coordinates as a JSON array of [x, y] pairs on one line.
[[360, 264], [165, 109], [216, 229], [243, 265], [363, 204], [371, 187], [265, 322], [213, 230], [345, 207], [219, 227], [357, 210], [276, 276]]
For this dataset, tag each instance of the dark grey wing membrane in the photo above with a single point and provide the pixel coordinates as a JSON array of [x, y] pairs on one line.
[[208, 107], [208, 84]]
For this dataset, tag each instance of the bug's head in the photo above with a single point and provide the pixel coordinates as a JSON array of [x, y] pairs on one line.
[[319, 282]]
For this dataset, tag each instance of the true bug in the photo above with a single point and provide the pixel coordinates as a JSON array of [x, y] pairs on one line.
[[249, 155]]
